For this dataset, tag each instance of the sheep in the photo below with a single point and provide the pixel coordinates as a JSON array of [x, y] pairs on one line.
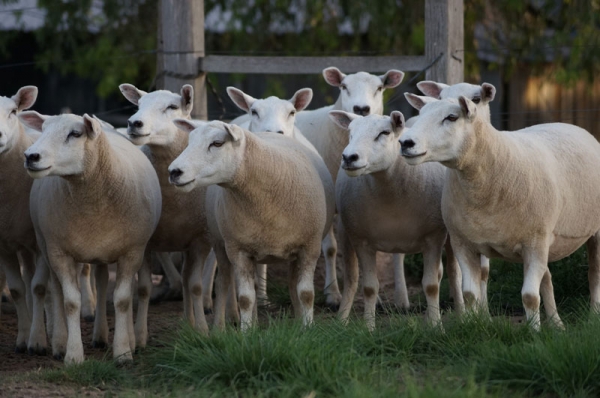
[[542, 178], [87, 285], [360, 93], [274, 202], [17, 236], [182, 226], [95, 199], [274, 115], [386, 205]]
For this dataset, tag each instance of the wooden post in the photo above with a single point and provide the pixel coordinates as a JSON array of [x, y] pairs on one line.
[[444, 33], [181, 44]]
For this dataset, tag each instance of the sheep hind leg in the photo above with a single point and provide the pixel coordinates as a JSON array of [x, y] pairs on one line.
[[535, 267], [547, 293], [144, 288], [432, 258], [400, 290], [470, 268], [208, 277], [2, 285], [454, 279], [38, 343], [100, 334], [261, 284], [370, 283], [173, 277], [195, 259], [244, 270], [329, 247], [305, 288], [593, 248], [223, 286], [485, 274], [27, 262], [18, 293], [350, 274], [88, 299]]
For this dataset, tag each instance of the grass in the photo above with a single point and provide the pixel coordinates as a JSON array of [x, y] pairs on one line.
[[473, 356]]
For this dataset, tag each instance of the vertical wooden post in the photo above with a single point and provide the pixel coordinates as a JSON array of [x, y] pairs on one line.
[[181, 44], [444, 33]]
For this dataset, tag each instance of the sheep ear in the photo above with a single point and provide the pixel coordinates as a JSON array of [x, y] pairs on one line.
[[33, 120], [91, 127], [185, 125], [397, 121], [241, 99], [25, 97], [234, 131], [488, 92], [131, 92], [302, 98], [467, 106], [417, 101], [392, 78], [187, 98], [431, 89], [333, 76], [342, 119]]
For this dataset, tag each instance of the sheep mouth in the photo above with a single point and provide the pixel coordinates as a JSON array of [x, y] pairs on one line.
[[183, 184], [36, 169], [412, 156], [348, 168], [134, 135]]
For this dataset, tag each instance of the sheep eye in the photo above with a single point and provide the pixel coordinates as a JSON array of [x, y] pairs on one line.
[[74, 133], [254, 113], [451, 118], [343, 87], [292, 113], [216, 144], [384, 132], [380, 88], [476, 100], [173, 107], [13, 112]]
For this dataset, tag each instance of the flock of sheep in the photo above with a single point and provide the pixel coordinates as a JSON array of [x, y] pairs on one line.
[[264, 189]]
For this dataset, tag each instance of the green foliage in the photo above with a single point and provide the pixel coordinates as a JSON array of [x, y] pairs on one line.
[[90, 373]]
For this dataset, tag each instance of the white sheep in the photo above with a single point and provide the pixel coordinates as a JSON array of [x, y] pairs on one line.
[[274, 202], [96, 199], [17, 236], [182, 225], [360, 93], [386, 205], [530, 195], [278, 116]]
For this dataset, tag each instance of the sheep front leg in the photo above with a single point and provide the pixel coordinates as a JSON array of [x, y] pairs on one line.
[[66, 269], [432, 258], [470, 268], [244, 270], [27, 261], [370, 283], [127, 266], [144, 288], [18, 292], [306, 265], [100, 335], [38, 344], [223, 286], [593, 247], [59, 323], [88, 300], [194, 262], [350, 274], [535, 262], [400, 290], [333, 296], [454, 278], [485, 274], [547, 293], [208, 277]]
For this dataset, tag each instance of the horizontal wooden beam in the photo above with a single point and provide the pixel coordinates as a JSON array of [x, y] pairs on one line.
[[308, 65]]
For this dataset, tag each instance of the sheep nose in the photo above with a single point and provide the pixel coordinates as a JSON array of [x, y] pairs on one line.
[[350, 158], [407, 144], [138, 124], [32, 157], [175, 174], [280, 132], [362, 110]]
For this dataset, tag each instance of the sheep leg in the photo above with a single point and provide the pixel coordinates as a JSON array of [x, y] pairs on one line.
[[127, 266], [27, 261], [66, 272], [485, 273], [208, 277], [223, 286], [333, 296], [59, 324], [144, 288], [130, 325], [175, 280], [38, 344], [100, 335], [194, 262], [244, 270], [470, 268], [350, 274], [432, 258], [306, 265], [535, 266], [2, 285], [88, 303], [293, 289], [593, 248], [454, 278], [18, 292], [400, 289], [547, 293], [370, 283], [233, 313], [261, 284]]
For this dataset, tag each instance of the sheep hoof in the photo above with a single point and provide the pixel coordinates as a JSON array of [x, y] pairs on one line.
[[37, 350], [59, 356], [89, 318], [21, 348], [98, 344]]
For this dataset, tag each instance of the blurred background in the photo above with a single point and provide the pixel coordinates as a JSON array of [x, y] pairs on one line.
[[542, 55]]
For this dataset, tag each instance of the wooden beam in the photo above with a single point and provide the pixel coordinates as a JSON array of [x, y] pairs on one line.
[[181, 28], [444, 33], [309, 65]]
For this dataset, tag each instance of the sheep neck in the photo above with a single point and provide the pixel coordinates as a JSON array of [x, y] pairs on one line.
[[165, 154]]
